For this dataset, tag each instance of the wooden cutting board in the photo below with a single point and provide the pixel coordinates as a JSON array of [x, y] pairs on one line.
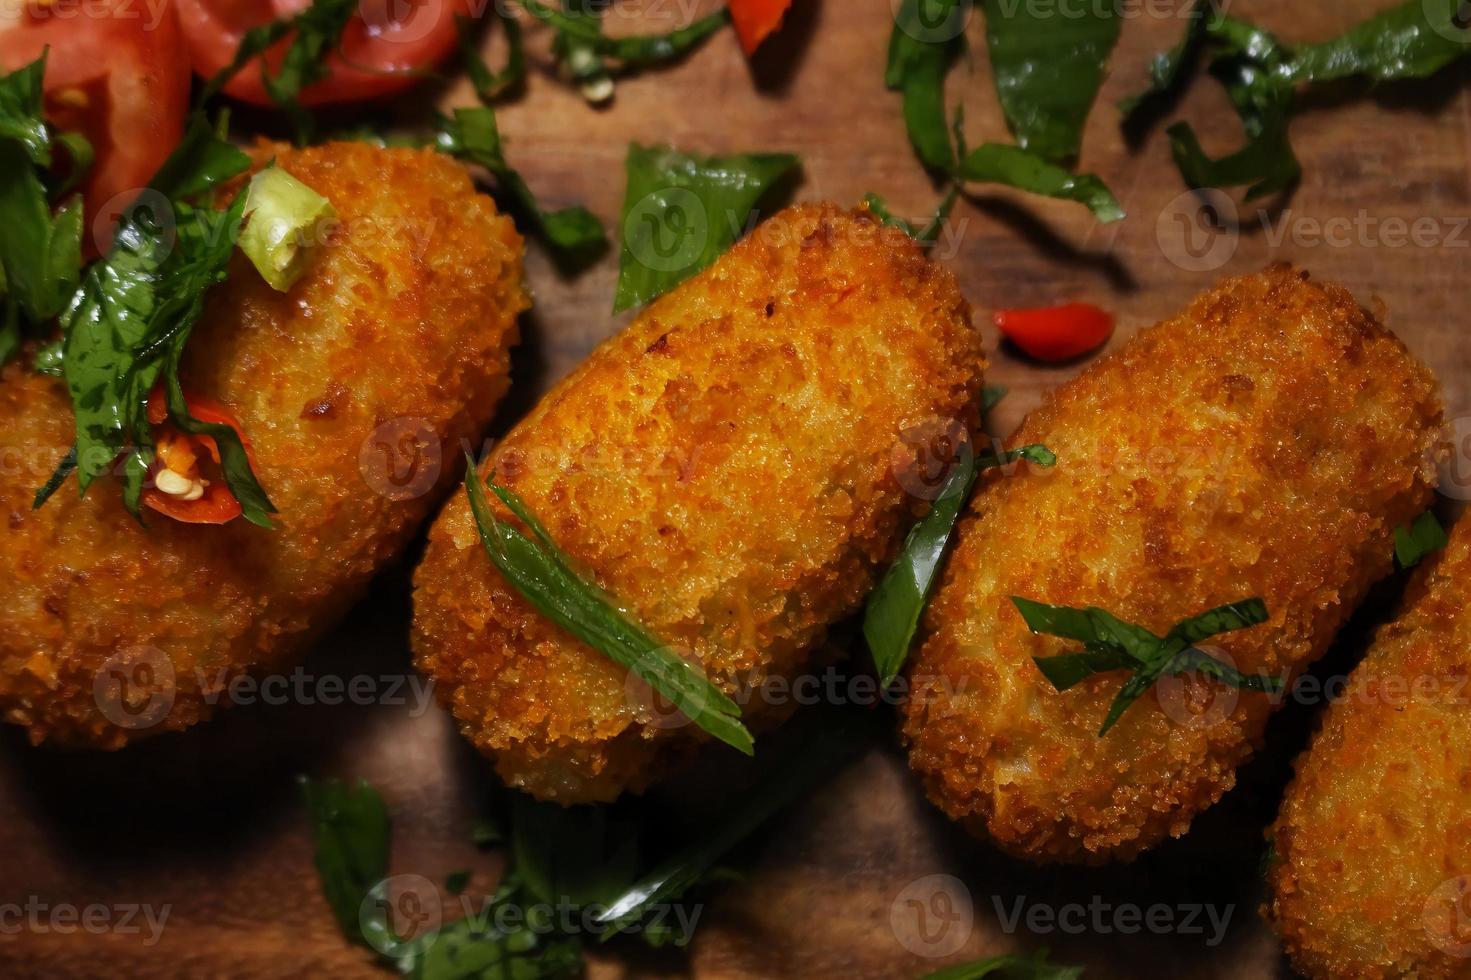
[[209, 826]]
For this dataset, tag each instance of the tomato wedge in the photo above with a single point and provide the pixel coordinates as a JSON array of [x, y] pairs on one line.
[[385, 43], [116, 74], [756, 20], [177, 452]]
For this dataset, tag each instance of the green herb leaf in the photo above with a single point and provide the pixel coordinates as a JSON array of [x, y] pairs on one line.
[[928, 36], [1009, 967], [476, 948], [318, 31], [926, 235], [1167, 69], [991, 396], [539, 571], [133, 314], [792, 776], [1422, 537], [489, 85], [350, 826], [680, 212], [1113, 644], [582, 856], [1013, 166], [1048, 63], [634, 51], [893, 610], [579, 54], [1413, 40], [255, 43], [471, 135]]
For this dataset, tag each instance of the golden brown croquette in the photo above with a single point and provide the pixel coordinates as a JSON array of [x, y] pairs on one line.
[[400, 331], [1265, 442], [725, 467]]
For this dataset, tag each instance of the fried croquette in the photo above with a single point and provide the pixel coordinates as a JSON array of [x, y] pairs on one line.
[[1371, 857], [725, 467], [395, 343], [1263, 443]]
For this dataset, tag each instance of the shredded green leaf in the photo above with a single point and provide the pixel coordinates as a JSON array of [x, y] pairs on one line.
[[680, 212], [539, 571], [634, 51], [1048, 62], [998, 163], [894, 607], [490, 85], [471, 135], [928, 36], [129, 321], [1110, 643], [1009, 967], [926, 235], [350, 827], [1421, 538]]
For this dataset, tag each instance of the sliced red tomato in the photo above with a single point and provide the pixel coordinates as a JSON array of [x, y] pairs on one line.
[[756, 20], [115, 73], [179, 452], [385, 43]]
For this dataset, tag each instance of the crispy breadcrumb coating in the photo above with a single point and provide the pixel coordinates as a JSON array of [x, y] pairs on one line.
[[1265, 442], [1372, 860], [726, 468], [407, 313]]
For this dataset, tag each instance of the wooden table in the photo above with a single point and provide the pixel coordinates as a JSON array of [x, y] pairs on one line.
[[210, 826]]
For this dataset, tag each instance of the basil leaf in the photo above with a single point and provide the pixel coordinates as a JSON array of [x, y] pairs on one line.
[[893, 610], [997, 163], [350, 828], [540, 573], [680, 212], [792, 776], [635, 51], [928, 36], [491, 84], [1068, 669], [471, 135], [1413, 543], [1413, 40], [1009, 967], [1048, 63]]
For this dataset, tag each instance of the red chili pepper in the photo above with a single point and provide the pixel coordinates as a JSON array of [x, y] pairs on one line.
[[176, 450], [756, 20], [1056, 333]]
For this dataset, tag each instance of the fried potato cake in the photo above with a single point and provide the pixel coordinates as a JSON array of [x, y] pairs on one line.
[[1371, 863], [394, 344], [1265, 442], [726, 468]]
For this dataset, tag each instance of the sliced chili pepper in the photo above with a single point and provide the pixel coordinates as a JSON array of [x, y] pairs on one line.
[[756, 20], [178, 451], [1056, 333]]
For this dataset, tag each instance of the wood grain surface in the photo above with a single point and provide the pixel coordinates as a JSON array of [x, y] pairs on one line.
[[209, 826]]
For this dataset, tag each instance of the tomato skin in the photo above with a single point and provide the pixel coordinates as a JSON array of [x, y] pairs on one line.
[[756, 20], [115, 72], [1056, 333], [391, 38], [218, 505]]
